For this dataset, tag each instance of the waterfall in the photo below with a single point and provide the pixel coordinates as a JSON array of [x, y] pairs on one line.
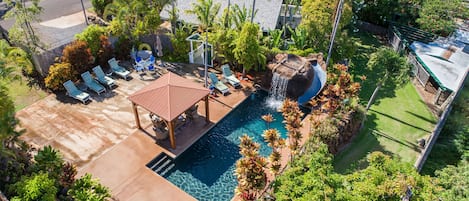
[[278, 91]]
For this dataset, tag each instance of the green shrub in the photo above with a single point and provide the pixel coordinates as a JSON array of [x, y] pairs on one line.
[[36, 187], [58, 74], [91, 35], [99, 6], [180, 45], [79, 56]]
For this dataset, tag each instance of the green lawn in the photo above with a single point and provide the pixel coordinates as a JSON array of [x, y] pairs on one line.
[[394, 123], [23, 95]]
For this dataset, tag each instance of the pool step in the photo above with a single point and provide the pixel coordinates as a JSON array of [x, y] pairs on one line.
[[162, 164]]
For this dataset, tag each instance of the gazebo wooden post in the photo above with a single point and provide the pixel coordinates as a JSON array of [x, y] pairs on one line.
[[137, 119], [207, 112], [171, 134]]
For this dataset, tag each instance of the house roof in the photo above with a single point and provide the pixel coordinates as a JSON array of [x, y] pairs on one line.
[[447, 72], [267, 11], [169, 96]]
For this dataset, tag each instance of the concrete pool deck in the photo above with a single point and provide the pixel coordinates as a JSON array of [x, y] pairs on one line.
[[101, 137]]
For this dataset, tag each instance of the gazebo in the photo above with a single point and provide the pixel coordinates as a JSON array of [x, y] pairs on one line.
[[168, 97]]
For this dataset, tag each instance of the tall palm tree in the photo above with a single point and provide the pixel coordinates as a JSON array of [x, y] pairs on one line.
[[241, 16], [12, 60], [205, 11]]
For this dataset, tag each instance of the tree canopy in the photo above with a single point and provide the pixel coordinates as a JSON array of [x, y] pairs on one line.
[[247, 50], [439, 16]]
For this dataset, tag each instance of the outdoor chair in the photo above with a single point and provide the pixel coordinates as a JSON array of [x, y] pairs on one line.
[[92, 84], [217, 84], [75, 93], [102, 78], [118, 70], [229, 77]]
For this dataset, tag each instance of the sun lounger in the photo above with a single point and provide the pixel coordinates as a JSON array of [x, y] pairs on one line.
[[118, 70], [217, 84], [229, 77], [92, 84], [102, 78], [75, 93]]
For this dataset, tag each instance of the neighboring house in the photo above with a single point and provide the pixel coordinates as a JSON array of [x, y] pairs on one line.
[[267, 16], [442, 64]]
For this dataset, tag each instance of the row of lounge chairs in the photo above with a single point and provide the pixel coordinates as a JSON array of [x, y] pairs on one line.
[[97, 83], [227, 76]]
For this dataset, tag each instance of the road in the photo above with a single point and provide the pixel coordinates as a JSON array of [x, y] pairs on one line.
[[56, 9]]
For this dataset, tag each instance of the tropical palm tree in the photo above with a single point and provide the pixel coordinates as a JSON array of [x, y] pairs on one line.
[[206, 12], [12, 61], [241, 16]]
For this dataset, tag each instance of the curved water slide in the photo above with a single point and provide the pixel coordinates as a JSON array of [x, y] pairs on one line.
[[319, 81]]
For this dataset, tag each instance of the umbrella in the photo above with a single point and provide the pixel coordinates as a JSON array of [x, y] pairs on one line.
[[159, 47]]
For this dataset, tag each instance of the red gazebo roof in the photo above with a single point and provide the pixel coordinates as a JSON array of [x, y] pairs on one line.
[[169, 96]]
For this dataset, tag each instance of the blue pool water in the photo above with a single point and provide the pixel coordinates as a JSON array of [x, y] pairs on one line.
[[206, 170]]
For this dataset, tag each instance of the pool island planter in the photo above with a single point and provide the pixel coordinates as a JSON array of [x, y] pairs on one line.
[[168, 97]]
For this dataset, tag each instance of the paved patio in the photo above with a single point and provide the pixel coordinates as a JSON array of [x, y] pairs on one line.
[[101, 137]]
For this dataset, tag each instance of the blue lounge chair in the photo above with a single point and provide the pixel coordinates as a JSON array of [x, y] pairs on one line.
[[92, 84], [102, 78], [118, 70], [217, 84], [229, 77], [75, 93]]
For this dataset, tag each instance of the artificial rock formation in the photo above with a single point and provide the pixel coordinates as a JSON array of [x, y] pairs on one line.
[[298, 70]]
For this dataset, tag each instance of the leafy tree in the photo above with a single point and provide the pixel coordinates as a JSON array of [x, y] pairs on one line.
[[88, 189], [50, 161], [390, 68], [91, 35], [223, 41], [205, 12], [99, 6], [381, 12], [179, 45], [38, 186], [173, 16], [22, 32], [133, 18], [309, 177], [439, 16], [455, 181], [11, 60], [58, 74], [317, 20], [250, 170], [247, 50], [78, 54]]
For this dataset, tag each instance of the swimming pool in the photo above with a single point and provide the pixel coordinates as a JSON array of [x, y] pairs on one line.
[[206, 170]]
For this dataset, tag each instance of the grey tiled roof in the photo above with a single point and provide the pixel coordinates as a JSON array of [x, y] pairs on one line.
[[266, 16]]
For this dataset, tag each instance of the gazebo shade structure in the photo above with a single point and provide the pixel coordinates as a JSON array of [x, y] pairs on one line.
[[168, 97]]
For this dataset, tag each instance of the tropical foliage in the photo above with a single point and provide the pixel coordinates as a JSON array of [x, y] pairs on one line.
[[250, 170], [99, 6], [91, 35], [381, 12], [273, 139], [22, 31], [439, 16], [248, 51], [312, 177], [58, 74], [179, 45], [205, 12], [79, 56], [88, 189], [36, 187], [390, 67], [292, 116]]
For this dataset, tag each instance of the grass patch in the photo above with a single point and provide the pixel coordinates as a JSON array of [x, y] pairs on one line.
[[23, 95], [396, 120]]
